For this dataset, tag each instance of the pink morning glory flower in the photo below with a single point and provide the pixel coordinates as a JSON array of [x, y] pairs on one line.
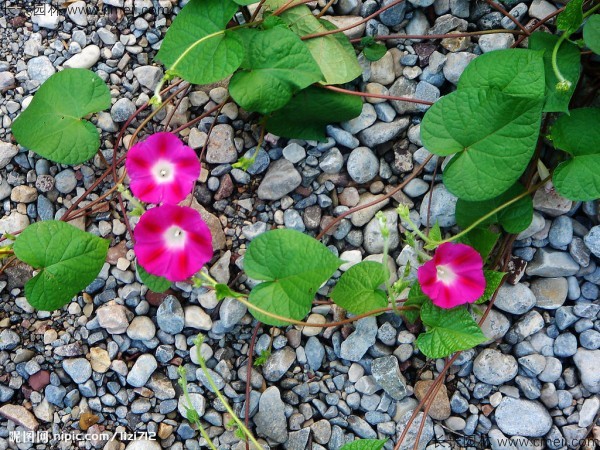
[[172, 242], [162, 169], [453, 276]]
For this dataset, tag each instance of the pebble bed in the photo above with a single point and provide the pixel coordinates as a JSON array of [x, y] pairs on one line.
[[114, 351]]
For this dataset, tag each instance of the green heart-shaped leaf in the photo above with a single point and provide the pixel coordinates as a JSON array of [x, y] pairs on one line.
[[154, 283], [591, 33], [69, 259], [578, 134], [53, 124], [293, 266], [197, 47], [571, 18], [493, 135], [276, 66], [309, 111], [358, 291], [365, 444], [448, 331]]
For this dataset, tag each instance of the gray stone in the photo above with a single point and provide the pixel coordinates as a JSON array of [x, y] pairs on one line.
[[148, 76], [493, 367], [7, 152], [411, 436], [517, 299], [367, 118], [122, 109], [86, 59], [373, 239], [455, 65], [386, 372], [393, 16], [40, 68], [79, 369], [588, 411], [46, 16], [231, 312], [362, 165], [270, 420], [495, 325], [19, 415], [281, 179], [360, 341], [382, 132], [497, 41], [428, 92], [561, 232], [342, 137], [403, 87], [540, 9], [294, 153], [552, 263], [332, 161], [198, 403], [315, 353], [170, 316], [77, 12], [517, 417], [12, 223], [443, 206], [587, 362], [537, 224], [221, 148], [592, 240], [565, 345], [142, 370], [65, 181], [7, 81], [550, 293], [9, 340], [278, 364], [529, 324]]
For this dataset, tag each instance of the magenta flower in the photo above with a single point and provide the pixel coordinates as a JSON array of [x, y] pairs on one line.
[[162, 169], [453, 276], [172, 242]]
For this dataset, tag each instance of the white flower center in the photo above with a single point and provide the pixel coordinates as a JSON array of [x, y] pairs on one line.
[[445, 274], [175, 237], [163, 171]]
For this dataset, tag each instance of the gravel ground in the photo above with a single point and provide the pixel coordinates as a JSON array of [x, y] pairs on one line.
[[107, 363]]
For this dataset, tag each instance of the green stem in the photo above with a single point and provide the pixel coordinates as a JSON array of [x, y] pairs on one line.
[[240, 424], [494, 211]]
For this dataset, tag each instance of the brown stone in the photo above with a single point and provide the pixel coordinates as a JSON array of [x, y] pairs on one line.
[[20, 415], [440, 407], [39, 380], [225, 188], [86, 420], [116, 252], [213, 222]]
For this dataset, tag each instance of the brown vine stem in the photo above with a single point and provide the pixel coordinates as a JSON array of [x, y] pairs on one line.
[[385, 37], [509, 15], [257, 10], [197, 119], [172, 113], [325, 8], [364, 94], [416, 171], [354, 25], [537, 25]]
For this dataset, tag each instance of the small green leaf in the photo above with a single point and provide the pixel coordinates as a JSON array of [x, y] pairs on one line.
[[491, 153], [333, 53], [567, 61], [277, 65], [262, 359], [578, 134], [416, 297], [293, 266], [224, 291], [154, 283], [571, 18], [514, 218], [358, 291], [517, 72], [365, 444], [374, 52], [492, 282], [307, 113], [448, 331], [591, 33], [197, 48], [481, 239], [246, 2], [435, 234], [53, 125], [68, 259]]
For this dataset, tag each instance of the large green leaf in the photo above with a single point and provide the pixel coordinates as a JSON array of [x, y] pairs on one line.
[[591, 33], [293, 266], [153, 282], [334, 52], [68, 259], [518, 72], [53, 124], [567, 61], [365, 444], [197, 48], [276, 66], [358, 291], [578, 134], [514, 218], [307, 113], [448, 331], [481, 239], [571, 18], [493, 135]]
